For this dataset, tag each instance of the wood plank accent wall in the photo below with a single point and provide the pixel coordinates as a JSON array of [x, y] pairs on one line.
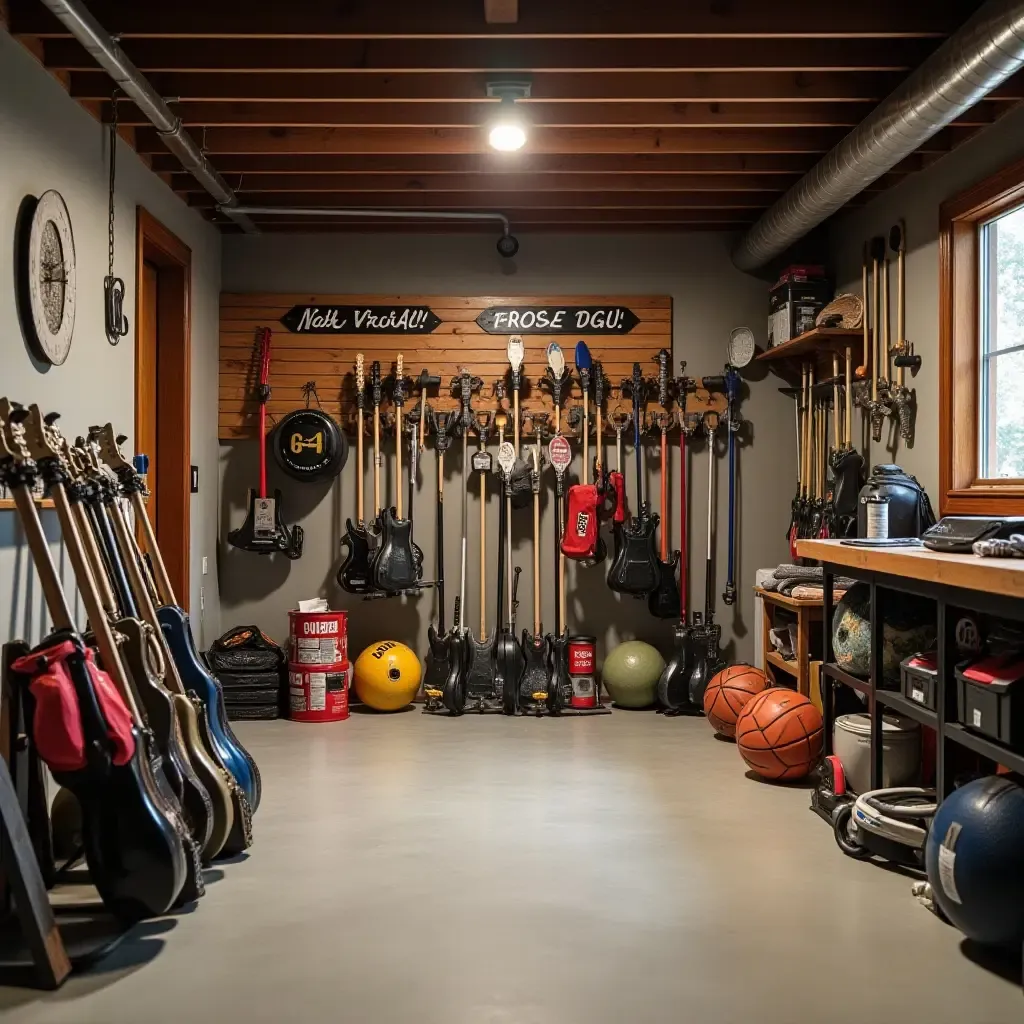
[[328, 359]]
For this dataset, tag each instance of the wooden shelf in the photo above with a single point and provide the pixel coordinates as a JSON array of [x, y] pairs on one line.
[[8, 503], [817, 345], [788, 602], [776, 659]]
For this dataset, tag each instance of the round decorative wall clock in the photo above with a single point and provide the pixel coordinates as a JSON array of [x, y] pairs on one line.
[[48, 278]]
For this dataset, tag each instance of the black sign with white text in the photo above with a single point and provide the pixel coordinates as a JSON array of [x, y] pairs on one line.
[[361, 320], [558, 320]]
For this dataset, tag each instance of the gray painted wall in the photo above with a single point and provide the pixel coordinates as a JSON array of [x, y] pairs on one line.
[[917, 201], [48, 141], [710, 298]]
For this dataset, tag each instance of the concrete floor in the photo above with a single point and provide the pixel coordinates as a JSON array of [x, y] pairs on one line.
[[485, 871]]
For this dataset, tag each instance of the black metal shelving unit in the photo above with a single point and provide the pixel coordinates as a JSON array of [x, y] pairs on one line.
[[885, 587]]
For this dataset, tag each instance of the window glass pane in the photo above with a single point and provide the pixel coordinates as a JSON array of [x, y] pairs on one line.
[[1001, 408]]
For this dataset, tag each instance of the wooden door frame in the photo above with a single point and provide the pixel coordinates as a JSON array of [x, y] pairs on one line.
[[173, 260]]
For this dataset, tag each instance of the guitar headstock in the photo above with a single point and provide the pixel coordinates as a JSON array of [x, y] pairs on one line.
[[398, 393], [375, 383], [42, 438], [663, 358], [555, 372], [360, 382], [12, 432], [584, 365], [506, 458], [109, 445], [516, 352]]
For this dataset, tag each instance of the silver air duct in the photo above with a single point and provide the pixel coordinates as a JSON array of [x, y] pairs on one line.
[[77, 19], [986, 51]]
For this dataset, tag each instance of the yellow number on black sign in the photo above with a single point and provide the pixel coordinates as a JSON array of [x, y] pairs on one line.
[[316, 442]]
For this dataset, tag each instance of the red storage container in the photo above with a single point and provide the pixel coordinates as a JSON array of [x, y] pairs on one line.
[[318, 639], [318, 694]]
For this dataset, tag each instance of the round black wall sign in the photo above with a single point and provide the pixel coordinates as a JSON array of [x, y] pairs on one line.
[[308, 445]]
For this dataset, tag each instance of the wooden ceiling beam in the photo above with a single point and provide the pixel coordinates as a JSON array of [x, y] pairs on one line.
[[552, 115], [506, 201], [545, 140], [488, 184], [662, 86], [501, 12], [488, 164], [566, 18], [485, 56]]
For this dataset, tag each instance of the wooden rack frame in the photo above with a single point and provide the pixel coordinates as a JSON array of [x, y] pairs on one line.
[[457, 341]]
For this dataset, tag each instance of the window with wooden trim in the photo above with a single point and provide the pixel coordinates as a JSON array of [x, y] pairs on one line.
[[981, 344]]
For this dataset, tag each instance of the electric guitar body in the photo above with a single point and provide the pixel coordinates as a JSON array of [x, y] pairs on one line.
[[663, 602], [480, 667], [561, 688], [707, 661], [438, 663], [354, 574], [674, 683], [395, 565], [535, 685], [634, 569], [454, 688]]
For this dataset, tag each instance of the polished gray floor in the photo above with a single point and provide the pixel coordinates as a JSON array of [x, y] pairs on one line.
[[486, 871]]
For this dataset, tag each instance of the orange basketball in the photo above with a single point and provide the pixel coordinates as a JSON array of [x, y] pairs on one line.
[[728, 693], [779, 734]]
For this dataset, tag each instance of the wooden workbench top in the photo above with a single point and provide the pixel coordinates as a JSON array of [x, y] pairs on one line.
[[996, 575]]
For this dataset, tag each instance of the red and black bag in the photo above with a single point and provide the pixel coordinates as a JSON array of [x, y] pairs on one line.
[[580, 539], [77, 718]]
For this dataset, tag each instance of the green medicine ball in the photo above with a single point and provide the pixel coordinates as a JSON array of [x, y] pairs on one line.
[[631, 672]]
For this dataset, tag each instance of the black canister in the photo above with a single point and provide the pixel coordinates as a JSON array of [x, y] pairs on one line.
[[909, 510]]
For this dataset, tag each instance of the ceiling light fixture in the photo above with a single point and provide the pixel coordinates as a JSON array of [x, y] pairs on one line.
[[508, 130]]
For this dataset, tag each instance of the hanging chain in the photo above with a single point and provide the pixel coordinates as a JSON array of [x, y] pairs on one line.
[[309, 391], [110, 187], [113, 287]]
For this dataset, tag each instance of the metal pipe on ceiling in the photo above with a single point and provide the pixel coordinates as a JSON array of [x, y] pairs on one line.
[[980, 56], [340, 211], [101, 46]]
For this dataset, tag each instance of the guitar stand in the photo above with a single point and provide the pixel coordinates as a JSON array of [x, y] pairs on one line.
[[35, 949]]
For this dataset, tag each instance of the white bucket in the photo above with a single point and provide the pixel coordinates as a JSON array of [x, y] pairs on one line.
[[901, 750]]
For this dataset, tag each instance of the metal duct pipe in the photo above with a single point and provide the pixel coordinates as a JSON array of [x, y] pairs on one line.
[[986, 51], [340, 211], [77, 19]]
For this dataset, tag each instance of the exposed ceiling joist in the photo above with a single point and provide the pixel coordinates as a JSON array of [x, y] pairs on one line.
[[466, 56], [501, 12], [568, 18]]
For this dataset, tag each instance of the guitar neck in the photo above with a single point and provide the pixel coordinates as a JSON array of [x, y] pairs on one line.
[[360, 507], [398, 461]]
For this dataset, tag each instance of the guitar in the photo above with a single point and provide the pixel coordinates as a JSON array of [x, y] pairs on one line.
[[508, 655], [617, 485], [706, 636], [635, 568], [188, 675], [453, 693], [112, 566], [560, 457], [438, 662], [395, 563], [135, 843], [535, 686], [847, 469], [519, 488], [354, 574], [663, 601], [374, 527], [480, 681]]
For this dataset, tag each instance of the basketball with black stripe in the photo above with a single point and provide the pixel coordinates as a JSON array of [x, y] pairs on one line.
[[779, 734], [728, 694]]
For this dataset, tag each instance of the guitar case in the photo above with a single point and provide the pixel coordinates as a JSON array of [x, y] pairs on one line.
[[308, 445]]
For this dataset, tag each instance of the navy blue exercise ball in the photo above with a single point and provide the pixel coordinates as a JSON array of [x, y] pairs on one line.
[[975, 860]]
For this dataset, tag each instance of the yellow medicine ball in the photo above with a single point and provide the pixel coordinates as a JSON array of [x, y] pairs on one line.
[[387, 676]]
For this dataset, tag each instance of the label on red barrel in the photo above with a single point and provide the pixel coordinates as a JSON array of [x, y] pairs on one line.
[[581, 655], [584, 692], [317, 696]]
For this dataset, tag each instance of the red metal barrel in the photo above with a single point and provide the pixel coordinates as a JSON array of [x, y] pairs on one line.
[[581, 671], [318, 639], [316, 694]]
